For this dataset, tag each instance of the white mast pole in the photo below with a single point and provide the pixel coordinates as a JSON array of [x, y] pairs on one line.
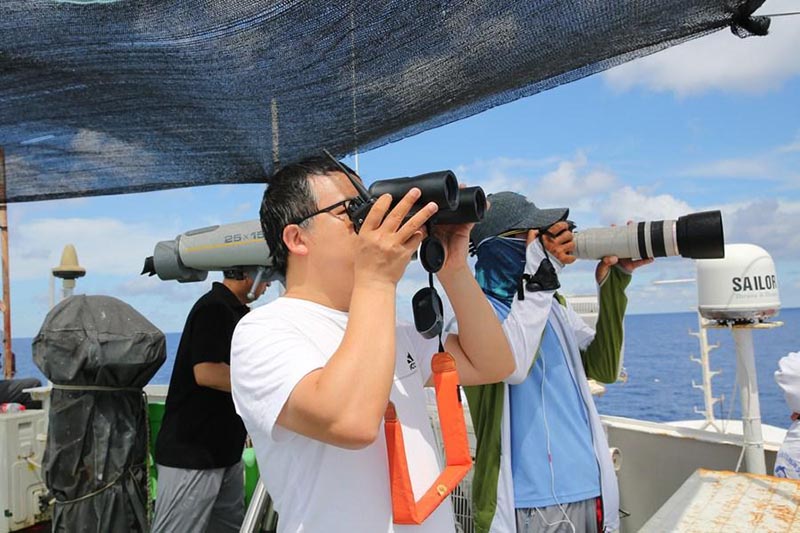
[[753, 439]]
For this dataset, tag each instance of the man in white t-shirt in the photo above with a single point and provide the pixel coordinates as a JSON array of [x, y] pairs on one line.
[[312, 372]]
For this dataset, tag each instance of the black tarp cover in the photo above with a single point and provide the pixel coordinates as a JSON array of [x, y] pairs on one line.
[[106, 97], [97, 439]]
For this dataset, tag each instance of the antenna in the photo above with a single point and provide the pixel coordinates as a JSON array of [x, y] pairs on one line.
[[739, 293], [68, 270]]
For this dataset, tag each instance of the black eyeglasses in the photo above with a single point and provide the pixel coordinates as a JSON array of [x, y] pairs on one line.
[[343, 203]]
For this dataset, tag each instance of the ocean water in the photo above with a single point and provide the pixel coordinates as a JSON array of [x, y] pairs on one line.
[[660, 373]]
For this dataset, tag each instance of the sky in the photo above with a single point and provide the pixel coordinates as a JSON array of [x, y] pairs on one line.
[[710, 124]]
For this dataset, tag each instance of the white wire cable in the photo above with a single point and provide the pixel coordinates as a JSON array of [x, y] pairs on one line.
[[37, 468], [550, 460], [773, 15]]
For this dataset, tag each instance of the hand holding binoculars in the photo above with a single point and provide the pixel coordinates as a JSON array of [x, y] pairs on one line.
[[456, 206]]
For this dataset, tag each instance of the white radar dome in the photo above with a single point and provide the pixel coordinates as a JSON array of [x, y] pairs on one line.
[[741, 287]]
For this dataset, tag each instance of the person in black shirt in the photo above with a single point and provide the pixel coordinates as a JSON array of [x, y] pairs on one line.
[[199, 447]]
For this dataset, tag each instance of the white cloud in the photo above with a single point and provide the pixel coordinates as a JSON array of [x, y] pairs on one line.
[[105, 246], [573, 182], [592, 193], [720, 61], [628, 203], [766, 222], [503, 173], [139, 286], [770, 223], [646, 297], [775, 164]]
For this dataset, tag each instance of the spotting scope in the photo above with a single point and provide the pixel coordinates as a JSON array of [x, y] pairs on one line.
[[189, 256], [696, 236]]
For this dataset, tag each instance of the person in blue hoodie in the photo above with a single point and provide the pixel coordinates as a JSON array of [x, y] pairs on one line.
[[543, 461]]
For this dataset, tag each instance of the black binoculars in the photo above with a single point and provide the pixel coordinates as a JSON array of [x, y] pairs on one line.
[[456, 206]]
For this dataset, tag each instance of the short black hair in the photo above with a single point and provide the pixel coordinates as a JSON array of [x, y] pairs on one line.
[[289, 197], [233, 273]]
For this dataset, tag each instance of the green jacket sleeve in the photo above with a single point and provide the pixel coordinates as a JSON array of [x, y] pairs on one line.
[[486, 408], [601, 358]]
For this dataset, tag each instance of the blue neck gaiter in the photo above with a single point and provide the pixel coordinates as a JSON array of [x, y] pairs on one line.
[[501, 263]]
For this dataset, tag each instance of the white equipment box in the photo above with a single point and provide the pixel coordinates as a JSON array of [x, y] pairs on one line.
[[22, 489]]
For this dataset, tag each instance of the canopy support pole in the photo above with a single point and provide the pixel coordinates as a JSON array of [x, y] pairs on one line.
[[8, 355]]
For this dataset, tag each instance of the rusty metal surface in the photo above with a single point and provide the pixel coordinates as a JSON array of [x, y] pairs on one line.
[[711, 501]]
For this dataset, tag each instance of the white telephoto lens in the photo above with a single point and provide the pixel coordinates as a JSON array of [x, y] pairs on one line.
[[634, 241]]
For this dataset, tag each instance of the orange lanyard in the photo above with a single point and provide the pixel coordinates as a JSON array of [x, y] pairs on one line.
[[458, 460]]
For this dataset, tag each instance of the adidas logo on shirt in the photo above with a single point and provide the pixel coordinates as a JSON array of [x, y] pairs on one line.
[[412, 365]]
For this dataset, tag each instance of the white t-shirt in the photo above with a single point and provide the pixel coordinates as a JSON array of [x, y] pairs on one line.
[[317, 487]]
